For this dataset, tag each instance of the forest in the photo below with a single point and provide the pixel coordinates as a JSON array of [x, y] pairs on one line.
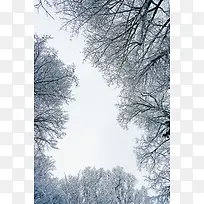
[[128, 42]]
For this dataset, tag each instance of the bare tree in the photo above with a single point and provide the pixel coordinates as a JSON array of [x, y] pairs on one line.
[[53, 81]]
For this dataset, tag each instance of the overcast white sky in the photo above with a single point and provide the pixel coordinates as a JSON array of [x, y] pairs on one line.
[[94, 137]]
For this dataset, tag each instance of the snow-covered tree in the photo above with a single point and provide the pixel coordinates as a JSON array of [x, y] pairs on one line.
[[53, 81], [47, 189], [99, 186], [152, 113], [128, 40], [70, 186]]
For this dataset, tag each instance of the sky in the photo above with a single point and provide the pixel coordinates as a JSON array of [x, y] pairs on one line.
[[93, 136]]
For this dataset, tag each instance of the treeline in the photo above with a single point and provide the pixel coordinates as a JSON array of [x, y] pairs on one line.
[[89, 186]]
